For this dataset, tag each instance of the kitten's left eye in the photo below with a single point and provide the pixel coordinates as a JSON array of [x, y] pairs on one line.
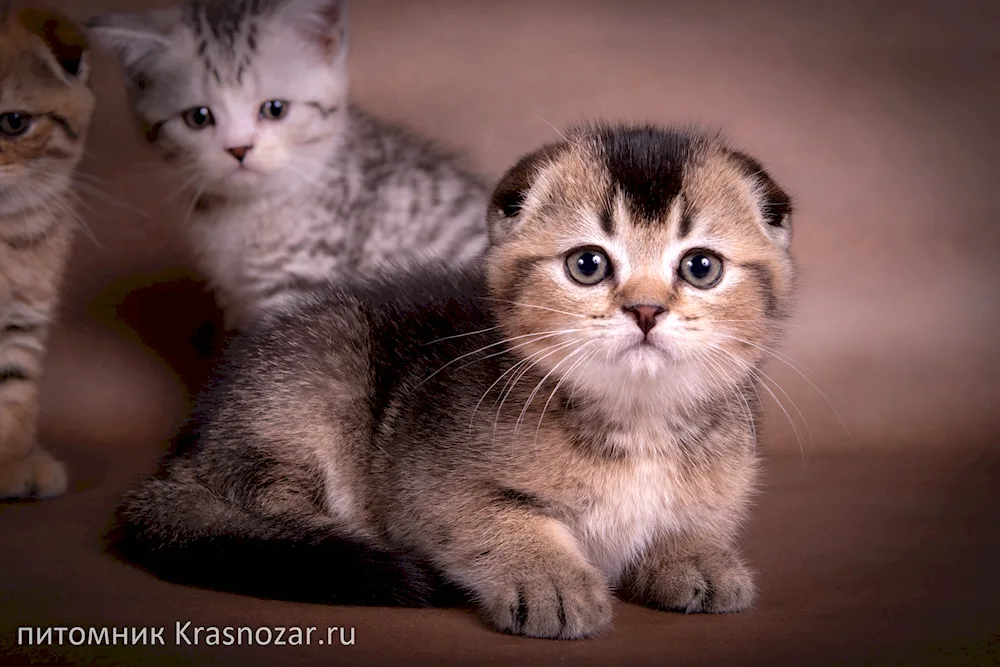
[[14, 124], [274, 109], [701, 269], [588, 266]]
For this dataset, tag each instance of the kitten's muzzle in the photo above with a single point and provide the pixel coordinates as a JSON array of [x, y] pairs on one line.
[[645, 315]]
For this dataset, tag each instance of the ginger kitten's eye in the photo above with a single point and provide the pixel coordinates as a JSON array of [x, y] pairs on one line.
[[198, 118], [274, 109], [701, 269], [15, 124], [588, 266]]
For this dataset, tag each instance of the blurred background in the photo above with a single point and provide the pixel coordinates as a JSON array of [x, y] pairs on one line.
[[879, 117], [876, 534]]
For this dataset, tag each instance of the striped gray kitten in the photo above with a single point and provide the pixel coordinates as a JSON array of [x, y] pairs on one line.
[[291, 185], [573, 417], [45, 110]]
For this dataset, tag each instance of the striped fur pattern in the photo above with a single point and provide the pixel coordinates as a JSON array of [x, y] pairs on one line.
[[291, 186], [45, 111], [571, 417]]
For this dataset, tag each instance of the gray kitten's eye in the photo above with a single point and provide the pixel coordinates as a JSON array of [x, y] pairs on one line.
[[15, 124], [701, 269], [588, 266], [198, 118], [274, 109]]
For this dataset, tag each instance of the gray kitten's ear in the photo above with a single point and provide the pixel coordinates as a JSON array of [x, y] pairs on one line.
[[775, 204], [135, 36], [505, 213], [323, 21]]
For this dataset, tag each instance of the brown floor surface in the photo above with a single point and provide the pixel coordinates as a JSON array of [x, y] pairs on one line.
[[877, 545]]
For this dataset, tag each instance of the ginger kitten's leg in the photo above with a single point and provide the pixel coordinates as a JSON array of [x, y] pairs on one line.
[[692, 576], [25, 468]]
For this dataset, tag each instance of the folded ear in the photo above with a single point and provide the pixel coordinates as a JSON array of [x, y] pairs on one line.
[[135, 36], [505, 211], [775, 204], [322, 21], [66, 41]]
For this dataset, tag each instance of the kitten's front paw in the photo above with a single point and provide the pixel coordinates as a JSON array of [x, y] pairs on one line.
[[713, 583], [562, 601], [37, 474]]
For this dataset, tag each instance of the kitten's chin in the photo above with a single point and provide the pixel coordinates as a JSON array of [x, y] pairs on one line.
[[647, 362], [244, 184]]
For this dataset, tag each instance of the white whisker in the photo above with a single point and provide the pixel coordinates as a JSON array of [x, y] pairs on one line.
[[541, 335], [462, 335], [531, 305], [791, 363]]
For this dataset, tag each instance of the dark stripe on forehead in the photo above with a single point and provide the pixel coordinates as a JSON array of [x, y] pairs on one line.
[[228, 20], [766, 283], [607, 220], [687, 220], [646, 165]]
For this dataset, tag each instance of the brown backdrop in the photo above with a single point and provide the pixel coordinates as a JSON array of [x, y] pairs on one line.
[[877, 527]]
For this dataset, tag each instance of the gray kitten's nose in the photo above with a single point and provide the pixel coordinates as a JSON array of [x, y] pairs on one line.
[[240, 152], [645, 315]]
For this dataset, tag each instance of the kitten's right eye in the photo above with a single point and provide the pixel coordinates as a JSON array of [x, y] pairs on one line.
[[588, 266], [198, 118], [14, 124]]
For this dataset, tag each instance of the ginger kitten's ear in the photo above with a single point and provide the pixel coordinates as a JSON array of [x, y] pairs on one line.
[[135, 36], [66, 41], [775, 204], [504, 215], [322, 21]]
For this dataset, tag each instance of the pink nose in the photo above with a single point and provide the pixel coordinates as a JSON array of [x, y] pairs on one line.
[[239, 152], [645, 316]]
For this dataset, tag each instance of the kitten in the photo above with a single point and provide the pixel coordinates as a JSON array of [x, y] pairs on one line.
[[575, 417], [45, 111], [293, 186]]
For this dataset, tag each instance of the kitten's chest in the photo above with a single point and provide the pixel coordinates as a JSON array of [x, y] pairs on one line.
[[665, 485], [257, 252], [626, 508]]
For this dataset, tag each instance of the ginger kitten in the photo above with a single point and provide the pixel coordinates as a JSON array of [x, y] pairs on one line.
[[291, 186], [572, 417], [45, 111]]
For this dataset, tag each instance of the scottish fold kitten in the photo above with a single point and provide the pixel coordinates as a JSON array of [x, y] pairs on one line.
[[45, 111], [571, 417], [292, 186]]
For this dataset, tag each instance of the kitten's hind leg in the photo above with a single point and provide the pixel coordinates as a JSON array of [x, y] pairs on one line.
[[183, 531]]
